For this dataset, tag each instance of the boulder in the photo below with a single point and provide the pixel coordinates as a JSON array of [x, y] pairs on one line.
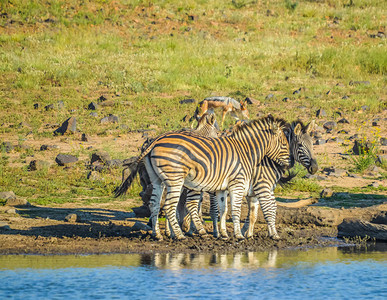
[[109, 119], [18, 202], [36, 165], [330, 125], [7, 195], [326, 193], [187, 101], [139, 226], [65, 159], [101, 156], [92, 106], [68, 126], [321, 113], [72, 218]]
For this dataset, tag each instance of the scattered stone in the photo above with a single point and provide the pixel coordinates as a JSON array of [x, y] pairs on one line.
[[375, 184], [94, 114], [60, 104], [321, 113], [7, 195], [114, 163], [24, 125], [101, 156], [36, 106], [353, 137], [286, 99], [326, 193], [251, 101], [49, 107], [65, 159], [365, 107], [375, 124], [345, 97], [68, 126], [320, 142], [123, 127], [48, 147], [361, 146], [109, 119], [381, 158], [380, 35], [315, 176], [102, 98], [36, 165], [330, 125], [94, 176], [85, 137], [12, 211], [139, 226], [187, 101], [18, 202], [269, 96], [301, 107], [353, 175], [328, 93], [343, 121], [4, 225], [337, 172], [297, 91], [92, 106], [7, 146], [72, 218], [359, 82]]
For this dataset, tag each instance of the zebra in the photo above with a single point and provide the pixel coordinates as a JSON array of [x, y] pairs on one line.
[[209, 164], [269, 173]]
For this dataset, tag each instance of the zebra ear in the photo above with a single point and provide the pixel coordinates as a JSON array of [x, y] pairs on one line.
[[310, 127], [298, 129], [212, 119]]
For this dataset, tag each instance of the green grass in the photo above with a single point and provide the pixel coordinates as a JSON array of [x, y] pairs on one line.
[[153, 54]]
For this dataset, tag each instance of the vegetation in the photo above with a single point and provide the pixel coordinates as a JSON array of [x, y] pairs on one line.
[[145, 56]]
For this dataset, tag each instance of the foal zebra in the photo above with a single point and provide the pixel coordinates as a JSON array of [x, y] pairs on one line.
[[269, 173], [209, 164]]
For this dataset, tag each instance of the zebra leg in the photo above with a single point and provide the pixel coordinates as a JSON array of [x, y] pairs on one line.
[[252, 216], [221, 197], [192, 227], [269, 209], [214, 215], [171, 201], [247, 221], [236, 196], [154, 207], [193, 199]]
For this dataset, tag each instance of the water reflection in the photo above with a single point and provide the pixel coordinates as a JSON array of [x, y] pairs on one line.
[[177, 261]]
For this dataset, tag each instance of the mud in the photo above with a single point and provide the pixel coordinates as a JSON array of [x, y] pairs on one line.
[[42, 230]]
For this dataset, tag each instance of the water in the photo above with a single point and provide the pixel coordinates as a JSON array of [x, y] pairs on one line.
[[327, 273]]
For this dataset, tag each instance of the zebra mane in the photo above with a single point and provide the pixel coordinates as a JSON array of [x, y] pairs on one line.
[[298, 121], [267, 122]]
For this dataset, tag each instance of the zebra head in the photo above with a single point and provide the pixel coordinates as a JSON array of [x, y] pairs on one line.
[[279, 150], [301, 145], [207, 126]]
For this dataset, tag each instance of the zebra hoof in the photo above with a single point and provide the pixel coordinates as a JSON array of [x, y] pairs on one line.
[[239, 236], [275, 237], [224, 237], [181, 237], [158, 237], [202, 231]]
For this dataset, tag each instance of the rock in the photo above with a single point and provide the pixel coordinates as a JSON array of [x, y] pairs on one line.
[[343, 121], [7, 146], [361, 146], [139, 226], [359, 83], [18, 202], [48, 147], [316, 177], [109, 119], [297, 91], [301, 107], [92, 106], [60, 104], [24, 125], [94, 176], [85, 137], [93, 114], [286, 99], [12, 211], [345, 97], [36, 165], [326, 193], [36, 106], [187, 101], [321, 113], [320, 142], [72, 218], [114, 163], [251, 101], [337, 172], [353, 175], [353, 137], [65, 159], [4, 226], [185, 118], [375, 124], [269, 96], [330, 125], [102, 98], [68, 126], [7, 195], [381, 158], [101, 156], [49, 107], [375, 184], [365, 107]]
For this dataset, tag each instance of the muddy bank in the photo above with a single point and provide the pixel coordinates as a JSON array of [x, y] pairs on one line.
[[43, 230]]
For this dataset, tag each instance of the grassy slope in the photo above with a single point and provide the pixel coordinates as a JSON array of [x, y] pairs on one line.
[[145, 57]]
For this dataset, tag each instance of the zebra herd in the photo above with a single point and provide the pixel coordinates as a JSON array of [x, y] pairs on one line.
[[248, 162]]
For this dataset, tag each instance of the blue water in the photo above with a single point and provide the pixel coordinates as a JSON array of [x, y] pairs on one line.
[[330, 273]]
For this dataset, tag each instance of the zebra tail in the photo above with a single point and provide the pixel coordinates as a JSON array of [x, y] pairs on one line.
[[287, 180], [126, 183]]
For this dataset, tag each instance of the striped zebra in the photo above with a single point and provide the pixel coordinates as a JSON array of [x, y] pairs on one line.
[[209, 164], [269, 173]]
